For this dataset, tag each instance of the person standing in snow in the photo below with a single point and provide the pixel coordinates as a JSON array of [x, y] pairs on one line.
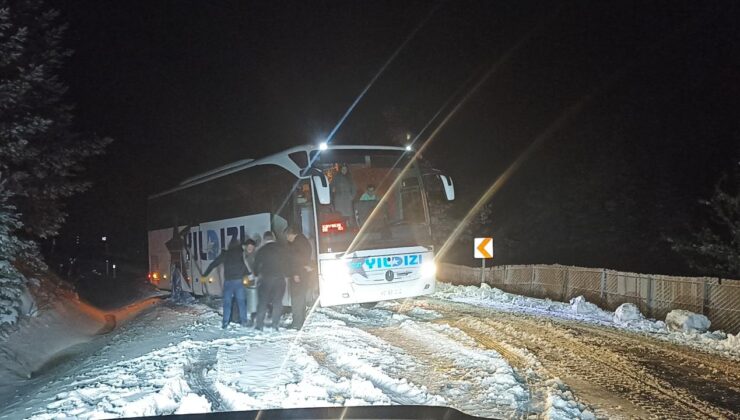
[[234, 271], [344, 190], [270, 267], [175, 246], [249, 247], [299, 252]]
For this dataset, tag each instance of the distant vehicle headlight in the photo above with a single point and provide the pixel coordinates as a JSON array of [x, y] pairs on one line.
[[335, 270], [428, 269]]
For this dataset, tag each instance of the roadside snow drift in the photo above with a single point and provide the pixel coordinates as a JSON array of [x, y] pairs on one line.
[[688, 328], [37, 340]]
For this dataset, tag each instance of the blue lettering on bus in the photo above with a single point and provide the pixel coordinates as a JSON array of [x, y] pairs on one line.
[[233, 233], [215, 241], [212, 247], [203, 255], [377, 263]]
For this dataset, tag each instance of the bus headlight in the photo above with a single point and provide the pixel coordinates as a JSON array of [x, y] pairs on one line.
[[428, 269], [335, 270]]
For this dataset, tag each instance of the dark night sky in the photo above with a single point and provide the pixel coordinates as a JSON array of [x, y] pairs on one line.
[[188, 85]]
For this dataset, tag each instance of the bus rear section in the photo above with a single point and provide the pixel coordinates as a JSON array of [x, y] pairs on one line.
[[374, 239]]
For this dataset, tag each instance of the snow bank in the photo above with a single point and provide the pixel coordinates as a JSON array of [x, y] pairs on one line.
[[686, 321], [485, 295], [40, 339], [627, 312], [626, 317]]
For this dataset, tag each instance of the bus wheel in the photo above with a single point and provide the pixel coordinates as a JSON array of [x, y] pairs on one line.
[[368, 305]]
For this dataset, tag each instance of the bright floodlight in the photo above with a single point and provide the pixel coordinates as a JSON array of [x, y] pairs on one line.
[[323, 146], [408, 147]]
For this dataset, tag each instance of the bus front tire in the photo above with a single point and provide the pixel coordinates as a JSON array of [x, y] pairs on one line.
[[368, 305]]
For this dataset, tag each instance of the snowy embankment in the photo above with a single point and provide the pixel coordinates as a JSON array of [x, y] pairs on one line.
[[50, 332], [626, 317]]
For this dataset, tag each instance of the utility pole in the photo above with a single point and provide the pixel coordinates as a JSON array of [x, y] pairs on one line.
[[104, 239]]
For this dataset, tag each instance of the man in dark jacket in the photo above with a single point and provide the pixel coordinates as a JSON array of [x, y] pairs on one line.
[[234, 272], [299, 252], [269, 266]]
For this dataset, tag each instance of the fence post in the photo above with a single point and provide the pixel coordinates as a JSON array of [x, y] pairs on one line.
[[532, 279], [603, 284], [565, 284], [650, 295], [705, 298]]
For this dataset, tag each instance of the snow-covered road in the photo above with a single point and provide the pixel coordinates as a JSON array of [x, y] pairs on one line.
[[483, 358]]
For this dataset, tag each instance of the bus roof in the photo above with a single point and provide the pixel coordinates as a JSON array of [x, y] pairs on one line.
[[281, 159]]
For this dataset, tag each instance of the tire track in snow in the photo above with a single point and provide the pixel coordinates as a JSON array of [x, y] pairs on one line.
[[469, 377], [569, 354], [700, 372], [351, 352], [196, 375], [473, 380]]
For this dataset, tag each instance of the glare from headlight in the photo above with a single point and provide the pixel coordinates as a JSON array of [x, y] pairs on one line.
[[428, 269], [335, 270]]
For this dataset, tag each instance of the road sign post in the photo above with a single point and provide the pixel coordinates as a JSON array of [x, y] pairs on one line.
[[482, 271], [483, 249]]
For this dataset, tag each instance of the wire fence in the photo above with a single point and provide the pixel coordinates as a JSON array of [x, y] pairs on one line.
[[655, 295]]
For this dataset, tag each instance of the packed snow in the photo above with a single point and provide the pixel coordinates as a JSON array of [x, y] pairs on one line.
[[688, 330], [175, 359]]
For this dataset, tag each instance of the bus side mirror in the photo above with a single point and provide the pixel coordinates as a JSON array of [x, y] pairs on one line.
[[321, 186], [448, 187]]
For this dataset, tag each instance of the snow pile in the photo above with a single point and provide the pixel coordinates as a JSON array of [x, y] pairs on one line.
[[193, 404], [686, 321], [626, 313], [581, 306], [175, 396], [560, 404]]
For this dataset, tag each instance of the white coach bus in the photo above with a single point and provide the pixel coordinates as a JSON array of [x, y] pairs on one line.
[[367, 247]]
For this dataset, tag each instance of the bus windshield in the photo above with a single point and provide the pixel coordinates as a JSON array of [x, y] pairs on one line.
[[369, 209]]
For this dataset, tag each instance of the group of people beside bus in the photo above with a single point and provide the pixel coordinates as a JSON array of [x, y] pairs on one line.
[[271, 266]]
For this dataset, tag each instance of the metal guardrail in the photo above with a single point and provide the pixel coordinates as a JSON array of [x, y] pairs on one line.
[[655, 295]]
